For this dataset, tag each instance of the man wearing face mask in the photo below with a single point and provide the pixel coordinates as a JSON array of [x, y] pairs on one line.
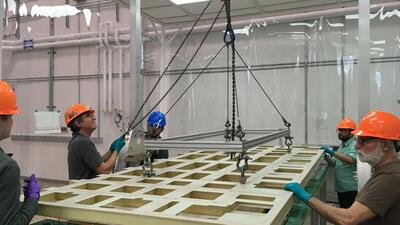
[[344, 160], [155, 126], [378, 202]]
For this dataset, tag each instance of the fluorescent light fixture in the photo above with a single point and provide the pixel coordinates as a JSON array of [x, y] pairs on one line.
[[182, 2]]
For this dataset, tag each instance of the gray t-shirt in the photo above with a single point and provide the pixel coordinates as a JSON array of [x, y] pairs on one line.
[[11, 212], [83, 158]]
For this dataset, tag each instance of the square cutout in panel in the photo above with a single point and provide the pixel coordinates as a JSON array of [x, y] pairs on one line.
[[127, 204], [288, 170], [208, 152], [219, 186], [193, 166], [266, 159], [306, 154], [116, 179], [127, 189], [277, 178], [216, 157], [91, 186], [94, 200], [252, 168], [217, 167], [202, 195], [250, 208], [270, 185], [57, 196], [196, 176], [150, 181], [301, 161], [179, 183], [278, 154], [256, 198], [192, 156], [252, 153], [231, 178], [159, 191], [134, 173], [166, 164], [166, 206], [205, 211], [169, 174]]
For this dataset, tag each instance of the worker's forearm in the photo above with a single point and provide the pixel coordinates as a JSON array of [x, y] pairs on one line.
[[332, 214], [344, 158], [25, 213], [329, 161], [106, 156], [110, 163]]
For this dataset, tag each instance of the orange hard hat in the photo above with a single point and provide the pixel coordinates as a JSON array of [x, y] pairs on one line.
[[8, 100], [74, 111], [346, 123], [379, 124]]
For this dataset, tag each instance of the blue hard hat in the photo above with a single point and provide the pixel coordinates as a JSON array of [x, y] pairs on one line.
[[157, 118]]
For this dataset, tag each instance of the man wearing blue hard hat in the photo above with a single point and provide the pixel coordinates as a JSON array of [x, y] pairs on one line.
[[155, 126]]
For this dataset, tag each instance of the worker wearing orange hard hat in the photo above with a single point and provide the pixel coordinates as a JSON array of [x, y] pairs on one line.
[[344, 161], [84, 161], [378, 202], [11, 211]]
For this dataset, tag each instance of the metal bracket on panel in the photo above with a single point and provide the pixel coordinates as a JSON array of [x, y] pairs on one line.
[[243, 156], [147, 165], [289, 142], [136, 147]]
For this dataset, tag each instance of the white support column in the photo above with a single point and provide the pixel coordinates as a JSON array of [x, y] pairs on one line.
[[1, 39], [136, 47], [363, 59], [363, 169]]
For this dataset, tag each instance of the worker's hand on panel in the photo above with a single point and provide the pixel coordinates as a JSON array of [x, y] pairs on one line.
[[327, 150], [298, 190], [118, 144], [32, 188]]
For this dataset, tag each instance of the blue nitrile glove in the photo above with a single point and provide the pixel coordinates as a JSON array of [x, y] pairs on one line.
[[32, 188], [298, 190], [327, 150], [118, 144]]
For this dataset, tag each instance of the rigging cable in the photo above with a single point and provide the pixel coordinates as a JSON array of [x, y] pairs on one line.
[[179, 77], [191, 84], [130, 127]]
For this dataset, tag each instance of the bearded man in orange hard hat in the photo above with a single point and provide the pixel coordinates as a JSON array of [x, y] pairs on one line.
[[11, 212], [344, 161], [84, 161], [378, 202]]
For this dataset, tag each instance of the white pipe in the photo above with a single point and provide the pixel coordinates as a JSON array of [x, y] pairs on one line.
[[280, 18], [110, 79], [62, 41], [106, 34], [121, 79], [57, 44], [100, 35], [56, 38], [116, 37], [104, 79]]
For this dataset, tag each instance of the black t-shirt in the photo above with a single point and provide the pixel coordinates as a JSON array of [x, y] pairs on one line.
[[83, 158]]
